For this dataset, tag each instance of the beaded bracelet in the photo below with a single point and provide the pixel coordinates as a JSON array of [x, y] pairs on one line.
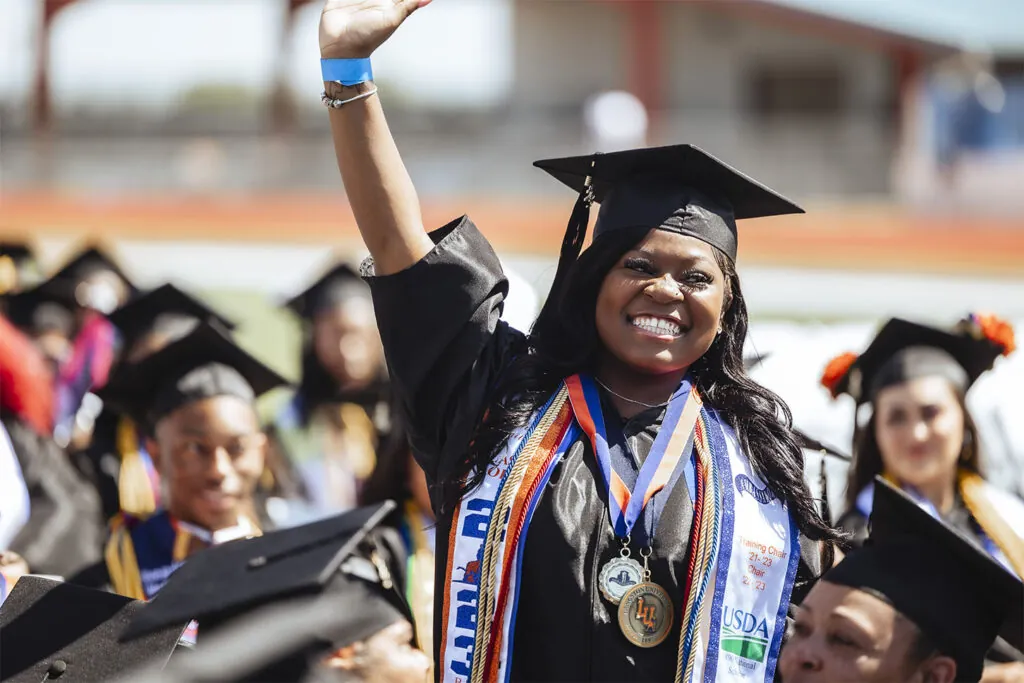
[[338, 104]]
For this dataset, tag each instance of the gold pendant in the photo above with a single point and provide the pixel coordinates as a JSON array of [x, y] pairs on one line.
[[645, 614]]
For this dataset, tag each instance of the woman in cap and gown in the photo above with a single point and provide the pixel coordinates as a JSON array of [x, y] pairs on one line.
[[614, 494], [920, 435]]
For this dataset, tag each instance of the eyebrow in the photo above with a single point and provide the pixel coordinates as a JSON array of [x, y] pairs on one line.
[[688, 258]]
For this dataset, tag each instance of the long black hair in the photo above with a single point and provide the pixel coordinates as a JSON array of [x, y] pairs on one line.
[[867, 456], [565, 341]]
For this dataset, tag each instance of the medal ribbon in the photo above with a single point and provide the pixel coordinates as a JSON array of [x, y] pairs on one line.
[[673, 443]]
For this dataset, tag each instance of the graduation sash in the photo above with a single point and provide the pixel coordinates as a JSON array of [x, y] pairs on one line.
[[744, 549]]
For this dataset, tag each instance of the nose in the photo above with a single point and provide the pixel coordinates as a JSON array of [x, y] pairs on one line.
[[664, 290], [920, 431], [222, 466], [799, 657]]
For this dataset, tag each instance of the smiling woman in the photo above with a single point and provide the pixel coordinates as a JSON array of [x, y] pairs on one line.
[[586, 477]]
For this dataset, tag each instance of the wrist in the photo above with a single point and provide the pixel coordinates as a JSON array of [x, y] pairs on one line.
[[336, 90]]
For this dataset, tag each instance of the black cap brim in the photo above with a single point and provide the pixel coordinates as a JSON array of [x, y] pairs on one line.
[[73, 633], [680, 165], [133, 391], [230, 579], [136, 317]]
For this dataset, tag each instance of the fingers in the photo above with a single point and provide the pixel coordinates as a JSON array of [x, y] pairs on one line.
[[411, 6]]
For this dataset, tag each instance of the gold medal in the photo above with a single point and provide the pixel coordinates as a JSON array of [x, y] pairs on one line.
[[645, 611], [645, 614]]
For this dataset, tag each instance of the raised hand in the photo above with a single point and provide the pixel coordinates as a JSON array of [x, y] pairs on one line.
[[353, 29]]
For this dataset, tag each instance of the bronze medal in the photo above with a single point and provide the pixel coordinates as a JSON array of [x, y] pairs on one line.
[[645, 614]]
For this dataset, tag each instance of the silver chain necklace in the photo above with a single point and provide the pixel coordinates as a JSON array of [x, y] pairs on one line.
[[627, 399]]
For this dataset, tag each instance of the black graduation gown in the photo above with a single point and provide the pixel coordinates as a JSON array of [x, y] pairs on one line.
[[64, 531], [100, 462], [445, 345]]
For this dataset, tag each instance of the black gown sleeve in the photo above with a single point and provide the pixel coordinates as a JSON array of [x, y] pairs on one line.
[[444, 341]]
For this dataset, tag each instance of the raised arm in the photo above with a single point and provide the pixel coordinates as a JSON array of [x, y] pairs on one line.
[[378, 185]]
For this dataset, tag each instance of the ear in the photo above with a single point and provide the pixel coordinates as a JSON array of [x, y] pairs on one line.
[[938, 669]]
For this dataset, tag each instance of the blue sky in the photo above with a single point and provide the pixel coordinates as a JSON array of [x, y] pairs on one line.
[[147, 52]]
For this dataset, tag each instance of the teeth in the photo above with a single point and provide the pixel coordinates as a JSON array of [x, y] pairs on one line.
[[657, 325]]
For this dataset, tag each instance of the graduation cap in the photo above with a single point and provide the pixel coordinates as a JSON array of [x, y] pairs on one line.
[[340, 283], [681, 189], [232, 579], [204, 363], [51, 630], [904, 350], [164, 309], [89, 261], [281, 642], [952, 590]]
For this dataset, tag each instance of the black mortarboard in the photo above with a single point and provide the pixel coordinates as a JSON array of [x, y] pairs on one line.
[[280, 642], [234, 578], [88, 261], [51, 630], [203, 364], [340, 283], [165, 308], [955, 593], [903, 350]]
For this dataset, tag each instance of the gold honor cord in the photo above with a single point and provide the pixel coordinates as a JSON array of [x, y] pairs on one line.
[[705, 548], [972, 488], [493, 542]]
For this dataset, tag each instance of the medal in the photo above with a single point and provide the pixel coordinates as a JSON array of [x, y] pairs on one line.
[[619, 575], [645, 612]]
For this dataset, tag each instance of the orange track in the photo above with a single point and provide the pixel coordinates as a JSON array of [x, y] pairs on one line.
[[839, 236]]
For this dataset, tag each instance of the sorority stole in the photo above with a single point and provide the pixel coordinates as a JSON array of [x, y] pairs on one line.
[[743, 550], [999, 515]]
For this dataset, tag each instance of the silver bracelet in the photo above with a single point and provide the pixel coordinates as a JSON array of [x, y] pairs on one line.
[[338, 104]]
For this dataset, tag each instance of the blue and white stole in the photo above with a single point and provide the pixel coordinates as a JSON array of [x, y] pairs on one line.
[[743, 557]]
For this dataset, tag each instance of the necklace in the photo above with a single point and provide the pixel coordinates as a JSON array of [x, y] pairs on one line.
[[627, 399]]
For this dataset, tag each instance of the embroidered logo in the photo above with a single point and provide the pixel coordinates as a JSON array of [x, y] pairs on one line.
[[745, 484], [744, 635]]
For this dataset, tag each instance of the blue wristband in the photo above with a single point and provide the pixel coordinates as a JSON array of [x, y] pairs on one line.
[[347, 71]]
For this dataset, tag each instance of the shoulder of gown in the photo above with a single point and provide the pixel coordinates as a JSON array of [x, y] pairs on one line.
[[440, 325]]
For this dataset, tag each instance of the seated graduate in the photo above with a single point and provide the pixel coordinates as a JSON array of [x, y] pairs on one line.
[[116, 460], [919, 602], [321, 601], [51, 630], [324, 440], [195, 398]]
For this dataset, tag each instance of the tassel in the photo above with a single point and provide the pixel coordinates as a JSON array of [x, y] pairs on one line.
[[826, 509], [572, 244]]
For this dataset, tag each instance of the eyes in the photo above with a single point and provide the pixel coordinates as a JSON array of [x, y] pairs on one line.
[[900, 416], [836, 637], [235, 447], [694, 278]]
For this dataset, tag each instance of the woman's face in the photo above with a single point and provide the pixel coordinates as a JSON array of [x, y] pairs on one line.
[[660, 305], [210, 454], [346, 342], [919, 427]]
